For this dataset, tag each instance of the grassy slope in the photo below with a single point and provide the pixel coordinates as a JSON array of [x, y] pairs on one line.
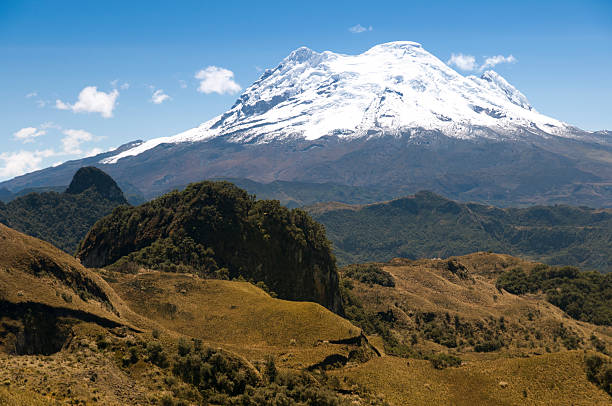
[[236, 315], [427, 286], [61, 277], [240, 317], [557, 379]]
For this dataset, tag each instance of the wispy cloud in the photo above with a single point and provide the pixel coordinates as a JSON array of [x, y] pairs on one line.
[[115, 84], [463, 62], [358, 29], [23, 161], [73, 139], [159, 96], [182, 84], [468, 62], [20, 162], [31, 94], [495, 60], [92, 101], [217, 80], [27, 134]]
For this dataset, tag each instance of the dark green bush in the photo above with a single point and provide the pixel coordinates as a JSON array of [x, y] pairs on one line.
[[584, 295], [599, 371], [372, 274]]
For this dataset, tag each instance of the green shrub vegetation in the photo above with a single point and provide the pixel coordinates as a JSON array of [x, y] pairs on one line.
[[427, 225], [216, 229], [442, 360], [584, 295], [63, 219], [599, 371], [369, 273], [202, 375]]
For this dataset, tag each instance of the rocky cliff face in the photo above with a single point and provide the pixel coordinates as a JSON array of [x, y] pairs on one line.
[[216, 229]]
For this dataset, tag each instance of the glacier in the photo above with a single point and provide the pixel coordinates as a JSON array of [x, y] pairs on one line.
[[391, 89]]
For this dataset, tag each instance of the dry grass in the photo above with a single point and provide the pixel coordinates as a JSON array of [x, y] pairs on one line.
[[428, 286], [552, 379]]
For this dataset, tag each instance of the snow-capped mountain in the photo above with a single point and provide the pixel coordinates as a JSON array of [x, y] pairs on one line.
[[388, 122], [389, 89]]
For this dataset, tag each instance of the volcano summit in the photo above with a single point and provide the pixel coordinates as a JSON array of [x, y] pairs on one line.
[[394, 117]]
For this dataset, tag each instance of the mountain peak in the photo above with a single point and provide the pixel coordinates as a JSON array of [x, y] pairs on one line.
[[300, 55], [393, 88], [396, 45], [89, 177]]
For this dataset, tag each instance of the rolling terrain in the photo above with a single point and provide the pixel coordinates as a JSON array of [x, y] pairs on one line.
[[166, 316], [427, 225], [509, 349], [138, 337]]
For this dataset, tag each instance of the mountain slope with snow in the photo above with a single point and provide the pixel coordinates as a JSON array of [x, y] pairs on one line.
[[389, 89], [388, 122]]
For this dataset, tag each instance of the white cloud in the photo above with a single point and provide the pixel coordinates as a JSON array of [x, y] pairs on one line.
[[159, 96], [73, 140], [17, 163], [28, 134], [30, 95], [93, 152], [50, 124], [495, 60], [217, 80], [463, 62], [468, 62], [358, 29], [92, 101]]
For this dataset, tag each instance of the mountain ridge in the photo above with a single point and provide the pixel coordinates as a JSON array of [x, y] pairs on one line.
[[394, 117], [427, 225]]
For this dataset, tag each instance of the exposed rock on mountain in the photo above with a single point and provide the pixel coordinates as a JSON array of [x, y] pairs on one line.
[[394, 117]]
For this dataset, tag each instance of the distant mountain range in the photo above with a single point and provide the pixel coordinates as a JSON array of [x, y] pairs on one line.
[[428, 226], [394, 119]]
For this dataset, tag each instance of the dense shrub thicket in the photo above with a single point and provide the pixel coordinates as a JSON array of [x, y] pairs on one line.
[[584, 295], [428, 225], [193, 373], [213, 227], [371, 274], [599, 371]]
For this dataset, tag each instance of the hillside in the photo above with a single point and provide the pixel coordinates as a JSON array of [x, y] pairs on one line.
[[39, 287], [161, 338], [67, 336], [217, 230], [63, 219], [427, 225], [418, 310]]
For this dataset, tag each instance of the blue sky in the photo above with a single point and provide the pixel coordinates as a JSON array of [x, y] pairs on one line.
[[50, 51]]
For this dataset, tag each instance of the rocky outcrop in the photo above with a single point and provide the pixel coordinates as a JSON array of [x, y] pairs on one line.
[[215, 228]]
